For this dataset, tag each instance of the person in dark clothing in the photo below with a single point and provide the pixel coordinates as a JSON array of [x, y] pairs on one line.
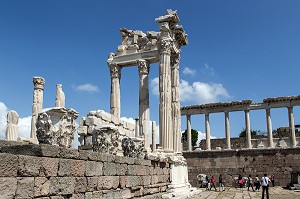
[[273, 180], [250, 183]]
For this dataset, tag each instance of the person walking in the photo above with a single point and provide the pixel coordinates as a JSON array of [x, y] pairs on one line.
[[273, 180], [221, 183], [257, 183], [212, 183], [240, 182], [250, 183], [265, 185], [207, 183]]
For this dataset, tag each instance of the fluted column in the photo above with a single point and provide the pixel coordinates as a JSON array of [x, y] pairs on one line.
[[292, 126], [189, 132], [153, 136], [207, 131], [248, 129], [227, 130], [176, 116], [144, 111], [115, 75], [37, 105], [269, 128], [165, 108]]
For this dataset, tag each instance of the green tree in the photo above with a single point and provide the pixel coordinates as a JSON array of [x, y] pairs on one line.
[[253, 133], [194, 137]]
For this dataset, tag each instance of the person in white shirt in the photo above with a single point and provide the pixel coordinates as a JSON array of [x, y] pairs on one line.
[[265, 185]]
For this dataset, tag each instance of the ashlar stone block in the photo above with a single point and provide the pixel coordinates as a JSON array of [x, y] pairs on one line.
[[8, 165], [25, 187], [93, 168], [108, 182], [62, 185], [41, 186], [8, 187]]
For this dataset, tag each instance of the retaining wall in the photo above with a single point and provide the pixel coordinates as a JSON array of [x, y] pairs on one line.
[[50, 172]]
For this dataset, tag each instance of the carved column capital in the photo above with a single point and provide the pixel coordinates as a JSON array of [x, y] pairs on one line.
[[115, 70], [164, 45], [143, 66], [38, 83]]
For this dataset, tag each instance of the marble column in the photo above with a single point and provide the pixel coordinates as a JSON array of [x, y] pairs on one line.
[[292, 126], [153, 136], [207, 131], [248, 129], [227, 130], [176, 116], [269, 128], [137, 128], [165, 108], [115, 75], [37, 105], [144, 111], [189, 132]]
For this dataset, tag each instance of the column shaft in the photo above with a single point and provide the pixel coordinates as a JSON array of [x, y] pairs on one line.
[[115, 74], [176, 116], [153, 136], [189, 132], [144, 111], [269, 128], [292, 126], [207, 131], [37, 105], [248, 129], [227, 130]]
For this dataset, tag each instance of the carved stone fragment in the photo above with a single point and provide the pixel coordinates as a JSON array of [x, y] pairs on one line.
[[133, 148], [106, 140]]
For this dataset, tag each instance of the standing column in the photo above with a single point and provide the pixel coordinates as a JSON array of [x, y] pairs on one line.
[[292, 126], [37, 105], [115, 75], [144, 111], [248, 130], [189, 132], [269, 128], [153, 136], [207, 131], [137, 128], [165, 108], [227, 130], [176, 116]]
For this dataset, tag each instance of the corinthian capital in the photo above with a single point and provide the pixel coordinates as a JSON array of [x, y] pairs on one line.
[[38, 83], [175, 58], [164, 45], [143, 66], [115, 70]]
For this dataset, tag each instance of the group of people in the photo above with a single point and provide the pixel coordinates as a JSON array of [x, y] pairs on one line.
[[263, 182], [210, 183]]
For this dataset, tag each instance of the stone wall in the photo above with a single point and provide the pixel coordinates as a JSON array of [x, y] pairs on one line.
[[231, 163], [50, 172]]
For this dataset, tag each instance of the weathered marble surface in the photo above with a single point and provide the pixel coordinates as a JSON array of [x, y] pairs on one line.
[[12, 126], [56, 126], [60, 96]]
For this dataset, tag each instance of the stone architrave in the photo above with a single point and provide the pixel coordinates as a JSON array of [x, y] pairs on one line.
[[56, 126], [12, 126], [165, 109], [176, 116], [37, 105], [60, 96], [115, 74], [144, 110]]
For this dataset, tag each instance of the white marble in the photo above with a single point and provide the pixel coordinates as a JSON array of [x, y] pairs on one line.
[[60, 96], [12, 126]]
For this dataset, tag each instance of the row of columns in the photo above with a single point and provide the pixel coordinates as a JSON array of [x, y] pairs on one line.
[[248, 129]]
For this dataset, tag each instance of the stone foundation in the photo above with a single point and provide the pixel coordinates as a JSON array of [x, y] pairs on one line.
[[50, 172], [231, 163]]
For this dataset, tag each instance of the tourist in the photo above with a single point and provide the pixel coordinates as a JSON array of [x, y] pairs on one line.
[[207, 185], [240, 182], [250, 183], [265, 185], [221, 183], [212, 183], [257, 183], [273, 180]]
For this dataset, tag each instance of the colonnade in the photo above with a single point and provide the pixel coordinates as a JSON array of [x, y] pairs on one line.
[[246, 107]]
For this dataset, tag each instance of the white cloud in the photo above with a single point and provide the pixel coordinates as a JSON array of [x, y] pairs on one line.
[[24, 123], [86, 87], [188, 71], [209, 70], [197, 92], [155, 86]]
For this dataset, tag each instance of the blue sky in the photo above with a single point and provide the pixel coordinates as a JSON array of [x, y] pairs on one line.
[[237, 50]]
